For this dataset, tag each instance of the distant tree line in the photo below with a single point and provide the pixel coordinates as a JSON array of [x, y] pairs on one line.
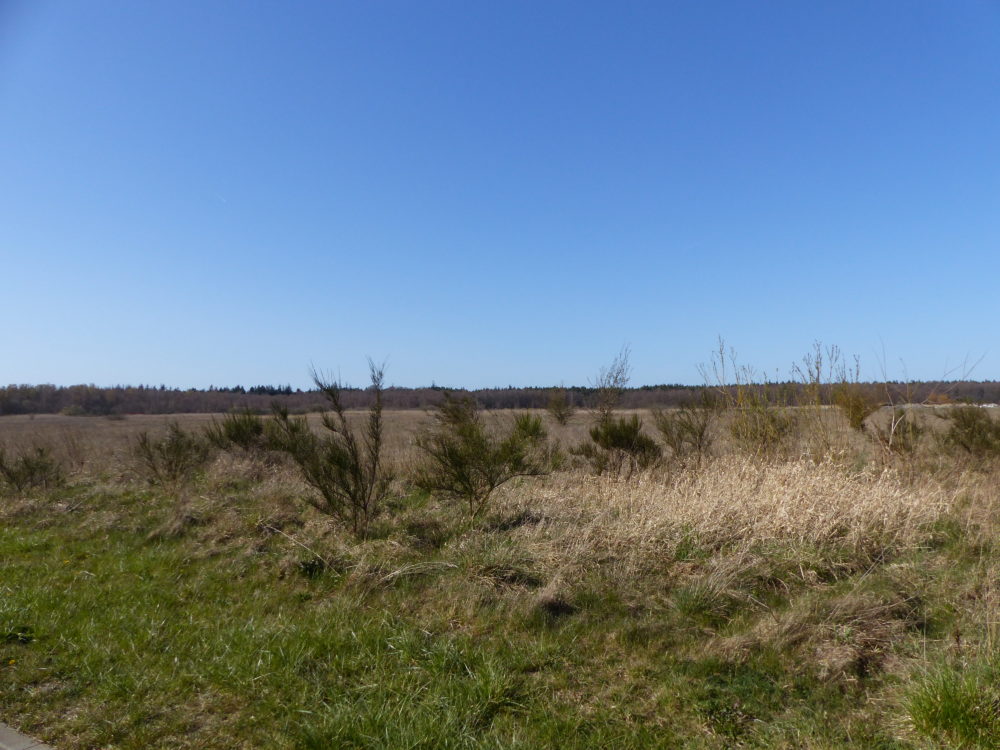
[[145, 399]]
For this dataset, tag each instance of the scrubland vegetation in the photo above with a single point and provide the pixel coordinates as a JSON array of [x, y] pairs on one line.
[[743, 570]]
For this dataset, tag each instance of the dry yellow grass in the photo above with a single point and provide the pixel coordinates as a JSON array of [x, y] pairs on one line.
[[729, 502]]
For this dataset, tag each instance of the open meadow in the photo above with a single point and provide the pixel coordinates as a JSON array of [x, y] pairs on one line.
[[319, 423], [760, 578]]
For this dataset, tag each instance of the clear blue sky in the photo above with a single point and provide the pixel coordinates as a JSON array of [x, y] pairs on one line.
[[491, 193]]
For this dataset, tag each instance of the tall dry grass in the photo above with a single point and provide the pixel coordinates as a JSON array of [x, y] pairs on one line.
[[729, 503]]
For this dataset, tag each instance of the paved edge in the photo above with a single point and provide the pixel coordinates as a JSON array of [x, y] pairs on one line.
[[11, 739]]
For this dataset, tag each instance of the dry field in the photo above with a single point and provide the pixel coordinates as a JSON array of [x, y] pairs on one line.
[[91, 440]]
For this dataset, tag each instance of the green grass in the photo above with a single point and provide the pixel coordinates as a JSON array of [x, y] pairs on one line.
[[121, 627], [178, 641], [957, 705]]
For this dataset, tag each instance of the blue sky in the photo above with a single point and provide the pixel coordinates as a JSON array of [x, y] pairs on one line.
[[486, 193]]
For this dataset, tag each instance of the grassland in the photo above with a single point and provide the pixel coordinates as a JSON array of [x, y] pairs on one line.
[[827, 595]]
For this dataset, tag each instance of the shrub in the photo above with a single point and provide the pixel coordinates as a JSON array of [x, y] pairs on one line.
[[686, 430], [619, 446], [973, 431], [174, 458], [467, 462], [759, 427], [242, 429], [35, 467], [825, 378], [611, 383], [345, 466], [560, 406], [758, 424], [855, 402]]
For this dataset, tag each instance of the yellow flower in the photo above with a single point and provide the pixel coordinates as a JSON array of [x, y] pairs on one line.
[[12, 661]]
